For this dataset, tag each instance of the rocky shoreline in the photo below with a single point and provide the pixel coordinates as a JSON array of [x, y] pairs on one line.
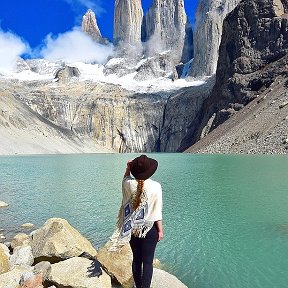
[[56, 255]]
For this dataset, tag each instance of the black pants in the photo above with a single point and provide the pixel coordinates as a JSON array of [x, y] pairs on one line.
[[143, 254]]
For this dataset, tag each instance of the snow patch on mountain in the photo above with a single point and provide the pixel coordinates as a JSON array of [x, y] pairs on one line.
[[44, 70]]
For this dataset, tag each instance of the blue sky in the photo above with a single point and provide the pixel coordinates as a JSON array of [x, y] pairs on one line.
[[51, 29], [33, 20]]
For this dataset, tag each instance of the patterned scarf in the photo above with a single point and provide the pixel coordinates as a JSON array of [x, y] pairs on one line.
[[131, 223]]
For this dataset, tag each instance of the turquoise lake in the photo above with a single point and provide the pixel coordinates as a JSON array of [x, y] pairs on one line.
[[225, 217]]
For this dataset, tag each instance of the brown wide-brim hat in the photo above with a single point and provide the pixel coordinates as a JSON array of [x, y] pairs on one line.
[[143, 167]]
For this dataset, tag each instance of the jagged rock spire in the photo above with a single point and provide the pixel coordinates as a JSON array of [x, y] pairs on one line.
[[209, 19], [89, 26], [167, 24], [128, 16]]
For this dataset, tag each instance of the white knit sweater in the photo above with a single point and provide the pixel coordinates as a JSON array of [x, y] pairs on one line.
[[154, 196]]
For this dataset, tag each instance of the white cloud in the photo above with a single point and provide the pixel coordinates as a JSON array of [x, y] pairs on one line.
[[74, 46], [11, 47]]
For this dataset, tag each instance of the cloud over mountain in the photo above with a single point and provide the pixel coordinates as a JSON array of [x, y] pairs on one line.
[[11, 47], [75, 46]]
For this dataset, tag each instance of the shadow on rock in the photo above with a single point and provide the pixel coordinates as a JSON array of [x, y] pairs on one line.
[[95, 269]]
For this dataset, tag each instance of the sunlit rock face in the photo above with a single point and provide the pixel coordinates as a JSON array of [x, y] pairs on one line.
[[166, 27], [90, 26], [209, 19], [128, 16], [109, 115]]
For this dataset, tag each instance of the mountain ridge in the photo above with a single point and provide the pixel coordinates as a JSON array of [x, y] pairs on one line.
[[138, 105]]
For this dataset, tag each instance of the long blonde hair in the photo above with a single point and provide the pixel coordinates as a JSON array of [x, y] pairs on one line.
[[139, 195]]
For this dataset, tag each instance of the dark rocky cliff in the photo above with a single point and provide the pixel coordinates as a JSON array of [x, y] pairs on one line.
[[253, 53], [209, 19]]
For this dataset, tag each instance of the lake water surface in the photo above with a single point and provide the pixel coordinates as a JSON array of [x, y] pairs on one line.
[[225, 217]]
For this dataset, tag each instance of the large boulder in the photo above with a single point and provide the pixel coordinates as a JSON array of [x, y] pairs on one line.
[[4, 259], [57, 238], [66, 74], [162, 279], [78, 272], [117, 264]]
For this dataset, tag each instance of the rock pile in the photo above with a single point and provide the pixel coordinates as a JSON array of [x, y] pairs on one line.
[[57, 255]]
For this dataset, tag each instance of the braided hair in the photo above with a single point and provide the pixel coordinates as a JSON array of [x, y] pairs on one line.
[[139, 195]]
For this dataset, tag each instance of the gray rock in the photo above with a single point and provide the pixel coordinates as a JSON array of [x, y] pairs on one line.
[[22, 256], [57, 238], [43, 268], [66, 74], [128, 15], [166, 27], [119, 66], [90, 26], [209, 19], [117, 264], [78, 272], [161, 65], [162, 279]]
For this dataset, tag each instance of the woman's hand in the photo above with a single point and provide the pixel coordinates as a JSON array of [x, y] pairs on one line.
[[129, 163], [159, 229], [127, 172], [160, 235]]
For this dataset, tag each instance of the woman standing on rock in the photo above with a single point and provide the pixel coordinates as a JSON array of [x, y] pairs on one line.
[[140, 217]]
